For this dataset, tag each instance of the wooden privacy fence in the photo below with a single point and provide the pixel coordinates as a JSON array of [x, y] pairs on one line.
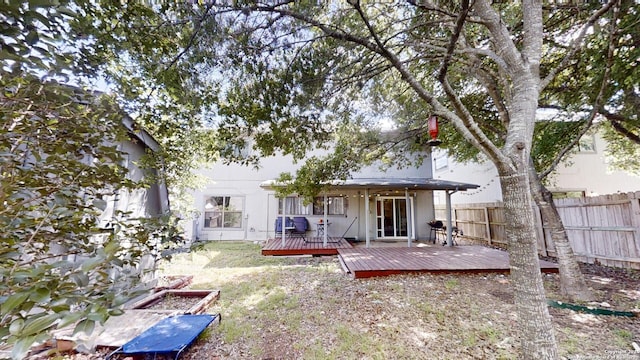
[[604, 229]]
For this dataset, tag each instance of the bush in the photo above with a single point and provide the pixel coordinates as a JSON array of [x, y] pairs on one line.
[[58, 161]]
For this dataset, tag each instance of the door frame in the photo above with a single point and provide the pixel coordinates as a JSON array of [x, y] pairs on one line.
[[379, 217]]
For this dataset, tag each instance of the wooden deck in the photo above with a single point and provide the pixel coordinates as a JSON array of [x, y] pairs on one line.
[[384, 261], [297, 246]]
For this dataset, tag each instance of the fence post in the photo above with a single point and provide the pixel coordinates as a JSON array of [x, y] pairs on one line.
[[634, 198], [487, 224]]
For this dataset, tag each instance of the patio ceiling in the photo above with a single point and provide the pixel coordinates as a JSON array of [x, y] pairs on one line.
[[391, 184]]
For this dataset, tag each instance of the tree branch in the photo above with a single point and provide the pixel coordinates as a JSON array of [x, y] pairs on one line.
[[506, 48], [454, 39], [470, 129], [465, 124], [597, 102], [620, 128], [576, 44]]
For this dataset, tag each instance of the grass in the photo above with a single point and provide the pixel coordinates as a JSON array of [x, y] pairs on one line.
[[306, 308], [451, 284], [623, 337]]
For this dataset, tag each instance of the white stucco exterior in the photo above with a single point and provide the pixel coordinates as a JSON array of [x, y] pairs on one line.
[[260, 206], [585, 172]]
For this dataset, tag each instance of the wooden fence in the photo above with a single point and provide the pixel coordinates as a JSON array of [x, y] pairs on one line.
[[603, 229]]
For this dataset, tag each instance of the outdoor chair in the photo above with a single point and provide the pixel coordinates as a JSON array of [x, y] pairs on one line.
[[288, 225], [301, 225], [455, 232]]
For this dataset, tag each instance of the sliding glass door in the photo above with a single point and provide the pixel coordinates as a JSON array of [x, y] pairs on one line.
[[392, 217]]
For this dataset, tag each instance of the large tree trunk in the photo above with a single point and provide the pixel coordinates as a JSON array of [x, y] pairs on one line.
[[536, 332], [572, 282]]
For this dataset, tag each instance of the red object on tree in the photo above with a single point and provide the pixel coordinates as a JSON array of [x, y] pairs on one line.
[[433, 126]]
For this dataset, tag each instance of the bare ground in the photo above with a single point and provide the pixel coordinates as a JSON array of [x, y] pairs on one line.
[[307, 308], [423, 317]]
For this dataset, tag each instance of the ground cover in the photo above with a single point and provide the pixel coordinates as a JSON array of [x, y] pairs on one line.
[[307, 308]]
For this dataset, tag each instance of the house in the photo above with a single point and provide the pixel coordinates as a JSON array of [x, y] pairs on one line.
[[240, 203], [586, 173], [146, 202], [142, 202]]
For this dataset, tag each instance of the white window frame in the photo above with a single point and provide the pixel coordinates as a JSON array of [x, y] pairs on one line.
[[337, 205], [222, 214]]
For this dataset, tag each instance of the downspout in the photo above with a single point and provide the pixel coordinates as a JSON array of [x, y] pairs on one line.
[[283, 223], [246, 225], [359, 215]]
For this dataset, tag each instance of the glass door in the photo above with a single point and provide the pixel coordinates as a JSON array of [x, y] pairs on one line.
[[391, 217]]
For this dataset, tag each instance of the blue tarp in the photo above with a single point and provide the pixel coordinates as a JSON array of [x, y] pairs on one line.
[[169, 335]]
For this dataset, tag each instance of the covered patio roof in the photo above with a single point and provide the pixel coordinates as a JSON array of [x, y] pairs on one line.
[[390, 183], [376, 185]]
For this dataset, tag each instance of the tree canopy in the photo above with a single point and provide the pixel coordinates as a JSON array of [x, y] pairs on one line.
[[299, 70], [287, 76], [59, 164]]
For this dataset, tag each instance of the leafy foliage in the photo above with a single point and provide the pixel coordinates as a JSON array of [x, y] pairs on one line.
[[59, 162], [295, 72]]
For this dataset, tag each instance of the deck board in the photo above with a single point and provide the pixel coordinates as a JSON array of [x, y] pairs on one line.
[[384, 261], [298, 246]]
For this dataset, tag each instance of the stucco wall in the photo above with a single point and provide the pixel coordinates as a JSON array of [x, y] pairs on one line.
[[584, 172], [261, 205]]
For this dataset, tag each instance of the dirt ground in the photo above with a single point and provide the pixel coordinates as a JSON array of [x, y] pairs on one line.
[[307, 308], [437, 317]]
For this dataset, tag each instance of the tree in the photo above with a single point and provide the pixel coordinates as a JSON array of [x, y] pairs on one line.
[[607, 93], [596, 92], [58, 160], [304, 69]]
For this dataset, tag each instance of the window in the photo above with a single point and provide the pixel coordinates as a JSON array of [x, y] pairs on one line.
[[336, 205], [223, 212], [587, 144], [441, 162], [295, 206]]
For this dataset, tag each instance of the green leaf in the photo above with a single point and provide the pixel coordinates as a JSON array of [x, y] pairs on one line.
[[70, 318], [91, 263], [21, 347], [38, 325], [86, 326], [116, 312], [42, 3], [98, 315], [66, 11], [32, 37], [41, 295], [13, 301], [16, 326], [4, 332], [111, 247], [81, 279], [36, 15]]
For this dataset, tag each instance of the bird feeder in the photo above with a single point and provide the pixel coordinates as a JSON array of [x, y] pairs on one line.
[[432, 124]]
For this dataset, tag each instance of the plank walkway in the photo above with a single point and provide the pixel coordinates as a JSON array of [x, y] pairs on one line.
[[297, 246], [385, 261]]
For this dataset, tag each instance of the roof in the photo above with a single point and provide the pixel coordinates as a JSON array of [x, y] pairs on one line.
[[140, 133], [132, 127], [391, 183]]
